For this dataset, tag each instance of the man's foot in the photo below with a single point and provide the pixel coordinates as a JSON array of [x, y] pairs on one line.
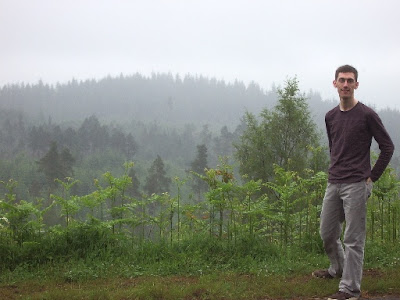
[[322, 274], [342, 296]]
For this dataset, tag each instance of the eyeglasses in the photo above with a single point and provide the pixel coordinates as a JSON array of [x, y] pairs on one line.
[[349, 80]]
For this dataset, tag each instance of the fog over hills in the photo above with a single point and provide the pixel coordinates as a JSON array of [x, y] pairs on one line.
[[170, 101], [164, 98]]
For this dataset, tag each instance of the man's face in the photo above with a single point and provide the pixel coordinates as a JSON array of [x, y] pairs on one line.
[[346, 84]]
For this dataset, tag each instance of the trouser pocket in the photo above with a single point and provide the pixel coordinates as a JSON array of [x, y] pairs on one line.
[[369, 186]]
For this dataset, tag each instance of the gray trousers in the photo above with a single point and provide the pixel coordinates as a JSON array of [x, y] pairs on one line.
[[345, 202]]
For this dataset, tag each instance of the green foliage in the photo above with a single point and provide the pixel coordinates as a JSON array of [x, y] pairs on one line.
[[286, 215], [157, 182], [384, 208], [284, 136], [69, 204], [237, 230], [253, 150], [291, 128], [198, 165], [55, 165]]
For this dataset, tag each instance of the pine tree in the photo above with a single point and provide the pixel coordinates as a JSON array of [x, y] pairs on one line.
[[198, 165], [133, 189], [55, 165], [283, 136], [157, 182], [292, 130], [66, 162]]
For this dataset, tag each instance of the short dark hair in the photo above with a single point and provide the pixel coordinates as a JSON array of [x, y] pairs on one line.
[[346, 69]]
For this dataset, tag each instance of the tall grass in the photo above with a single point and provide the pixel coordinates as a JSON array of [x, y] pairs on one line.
[[254, 227]]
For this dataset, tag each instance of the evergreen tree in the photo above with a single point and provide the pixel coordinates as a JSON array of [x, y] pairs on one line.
[[205, 135], [66, 162], [292, 130], [133, 189], [223, 144], [157, 182], [38, 139], [92, 136], [283, 136], [118, 140], [50, 165], [198, 165], [130, 146], [253, 150], [55, 165]]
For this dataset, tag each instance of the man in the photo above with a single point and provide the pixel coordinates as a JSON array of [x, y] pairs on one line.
[[350, 128]]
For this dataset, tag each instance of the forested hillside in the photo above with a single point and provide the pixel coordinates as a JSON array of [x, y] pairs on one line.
[[161, 98], [104, 123]]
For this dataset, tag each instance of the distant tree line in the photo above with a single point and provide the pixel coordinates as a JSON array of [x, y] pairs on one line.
[[162, 100], [162, 97], [87, 139]]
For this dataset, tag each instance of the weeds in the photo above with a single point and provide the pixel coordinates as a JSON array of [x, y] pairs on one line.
[[238, 244]]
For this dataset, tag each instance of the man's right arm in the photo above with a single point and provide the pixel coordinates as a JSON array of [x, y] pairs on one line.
[[328, 133]]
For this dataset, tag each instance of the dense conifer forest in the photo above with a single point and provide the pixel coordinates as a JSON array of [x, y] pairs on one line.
[[101, 124]]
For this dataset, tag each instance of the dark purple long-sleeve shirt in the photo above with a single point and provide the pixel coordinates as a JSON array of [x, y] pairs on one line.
[[350, 136]]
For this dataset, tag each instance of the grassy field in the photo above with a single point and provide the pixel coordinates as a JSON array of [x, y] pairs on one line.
[[213, 286], [237, 244], [212, 272]]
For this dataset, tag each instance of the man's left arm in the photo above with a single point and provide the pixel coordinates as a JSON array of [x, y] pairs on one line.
[[385, 143]]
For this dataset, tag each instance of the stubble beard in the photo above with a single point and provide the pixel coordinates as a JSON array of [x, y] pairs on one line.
[[346, 96]]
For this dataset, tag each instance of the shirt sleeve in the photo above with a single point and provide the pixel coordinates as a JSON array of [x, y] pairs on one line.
[[385, 143], [328, 134]]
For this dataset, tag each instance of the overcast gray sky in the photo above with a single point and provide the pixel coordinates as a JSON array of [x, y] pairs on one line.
[[249, 40]]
